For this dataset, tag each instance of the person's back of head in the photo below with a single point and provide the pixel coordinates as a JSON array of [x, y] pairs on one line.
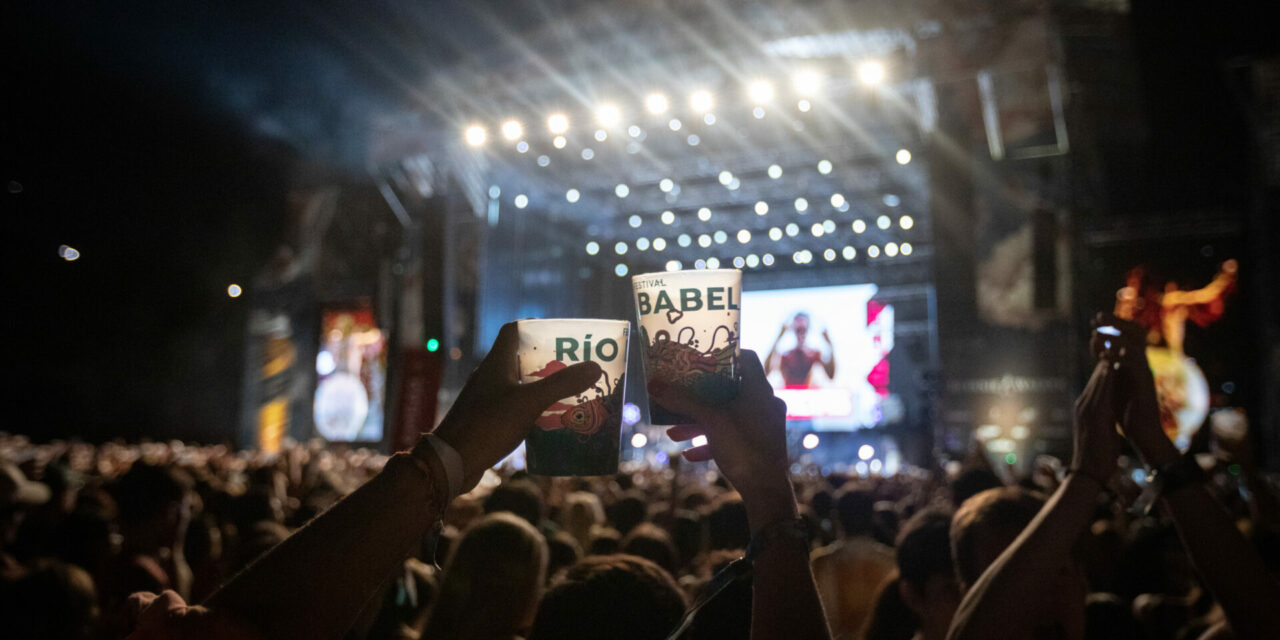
[[521, 497], [985, 525], [581, 513], [617, 597], [926, 574], [628, 512], [651, 542], [605, 541], [891, 618], [855, 508], [491, 581], [53, 601], [563, 551], [727, 526], [970, 482], [147, 492]]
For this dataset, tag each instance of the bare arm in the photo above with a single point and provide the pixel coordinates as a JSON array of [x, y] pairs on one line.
[[773, 352], [1209, 292], [829, 365], [747, 439], [1007, 600]]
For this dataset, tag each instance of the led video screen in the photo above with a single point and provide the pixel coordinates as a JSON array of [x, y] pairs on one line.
[[825, 350], [351, 370]]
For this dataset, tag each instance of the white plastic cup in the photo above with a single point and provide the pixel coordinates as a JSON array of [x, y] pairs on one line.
[[576, 436], [689, 332]]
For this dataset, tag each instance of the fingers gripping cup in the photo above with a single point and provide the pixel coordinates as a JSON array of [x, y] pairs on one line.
[[576, 436], [689, 325]]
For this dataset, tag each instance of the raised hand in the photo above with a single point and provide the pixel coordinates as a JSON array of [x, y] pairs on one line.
[[494, 411]]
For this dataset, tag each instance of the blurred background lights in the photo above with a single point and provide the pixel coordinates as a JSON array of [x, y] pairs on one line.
[[512, 130], [634, 131], [559, 142], [699, 264], [876, 466], [659, 244], [837, 199], [793, 229], [802, 204], [521, 201], [572, 195], [762, 208], [630, 414], [693, 139], [325, 364], [634, 221], [758, 112], [902, 156], [588, 154], [891, 200], [665, 185], [829, 226], [849, 253], [234, 290], [906, 222], [725, 178], [873, 251], [704, 214], [866, 452], [753, 260], [720, 237], [674, 265], [890, 249], [620, 270], [713, 263], [699, 441], [701, 101], [824, 167], [557, 123], [70, 254], [739, 262], [859, 226], [775, 234], [709, 119], [775, 171], [639, 440], [674, 124], [704, 241], [601, 135], [883, 222], [906, 248], [760, 91], [803, 106], [684, 240], [809, 441], [668, 217], [807, 82], [522, 146], [656, 103], [475, 135], [871, 72], [829, 255], [744, 236], [620, 248], [608, 115], [767, 259], [622, 191], [593, 248], [816, 230], [642, 244]]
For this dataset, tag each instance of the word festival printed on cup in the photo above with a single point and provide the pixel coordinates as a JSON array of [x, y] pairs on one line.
[[576, 436], [689, 321]]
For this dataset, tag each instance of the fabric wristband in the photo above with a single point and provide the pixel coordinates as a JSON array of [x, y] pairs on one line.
[[450, 459]]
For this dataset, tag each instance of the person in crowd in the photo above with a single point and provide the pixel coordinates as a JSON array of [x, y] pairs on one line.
[[619, 597], [581, 515], [155, 507], [850, 570], [926, 578], [491, 583]]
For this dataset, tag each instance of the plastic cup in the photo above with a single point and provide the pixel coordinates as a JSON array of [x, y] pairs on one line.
[[576, 436], [689, 329]]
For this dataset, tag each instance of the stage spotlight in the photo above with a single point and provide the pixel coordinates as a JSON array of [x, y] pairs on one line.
[[620, 270], [639, 440], [476, 135], [891, 249], [798, 257], [521, 201], [793, 229], [656, 103], [859, 226], [713, 263], [558, 123], [622, 191], [233, 290], [804, 106], [642, 244], [906, 222], [720, 237], [767, 259], [608, 115], [620, 248], [816, 230], [762, 208], [544, 160], [837, 199], [906, 248], [665, 185], [873, 251], [699, 264], [668, 217], [659, 244], [824, 167], [701, 101], [634, 221], [807, 82], [903, 156], [871, 72], [829, 226], [725, 178], [522, 147], [891, 200], [693, 140], [733, 184], [704, 241], [802, 205], [876, 466], [866, 452], [588, 154], [70, 254], [704, 214], [775, 171], [683, 240], [634, 131], [674, 265], [739, 262], [572, 195], [512, 130], [758, 113], [494, 191], [883, 222], [753, 260], [709, 119], [849, 253], [760, 91], [559, 142], [601, 135], [674, 124], [810, 441], [593, 248], [829, 255], [775, 234]]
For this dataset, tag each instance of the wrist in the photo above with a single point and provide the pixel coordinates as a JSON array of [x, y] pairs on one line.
[[769, 504]]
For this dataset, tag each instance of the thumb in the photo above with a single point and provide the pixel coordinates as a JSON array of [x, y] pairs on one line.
[[565, 383], [678, 400]]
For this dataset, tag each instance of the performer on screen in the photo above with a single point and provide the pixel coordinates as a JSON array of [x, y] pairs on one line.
[[796, 365]]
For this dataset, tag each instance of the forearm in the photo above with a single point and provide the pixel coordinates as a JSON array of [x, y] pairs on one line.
[[1002, 603], [784, 601], [314, 584]]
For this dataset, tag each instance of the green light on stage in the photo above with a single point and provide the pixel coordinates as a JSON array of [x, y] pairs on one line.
[[433, 345], [1011, 458], [1234, 469]]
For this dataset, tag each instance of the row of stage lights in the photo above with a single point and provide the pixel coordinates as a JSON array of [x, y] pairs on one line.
[[806, 84], [801, 257], [744, 236]]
